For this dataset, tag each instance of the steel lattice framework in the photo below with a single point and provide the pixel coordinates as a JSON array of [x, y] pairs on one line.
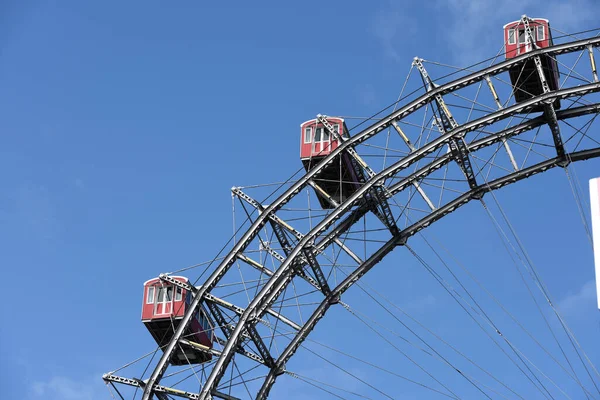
[[300, 254]]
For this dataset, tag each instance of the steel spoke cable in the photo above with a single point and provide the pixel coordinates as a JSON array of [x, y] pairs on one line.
[[317, 386], [455, 396], [495, 299], [272, 341], [379, 367], [436, 355], [394, 109], [373, 290], [571, 69], [437, 277], [493, 161], [482, 312], [305, 379], [535, 276], [441, 282], [579, 204], [580, 130], [580, 207], [489, 321], [234, 384], [348, 373], [538, 284]]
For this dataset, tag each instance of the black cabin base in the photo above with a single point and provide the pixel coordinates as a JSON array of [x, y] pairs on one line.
[[162, 332], [526, 81], [339, 179]]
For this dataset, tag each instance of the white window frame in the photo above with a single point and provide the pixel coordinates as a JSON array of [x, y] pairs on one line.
[[524, 36], [540, 32], [514, 37], [148, 299], [336, 129], [325, 132], [308, 136], [320, 131], [178, 293]]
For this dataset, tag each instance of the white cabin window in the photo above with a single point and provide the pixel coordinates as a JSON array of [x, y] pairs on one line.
[[325, 135], [336, 128], [308, 135], [540, 32], [165, 294], [522, 36], [178, 294], [150, 297], [318, 134], [511, 36]]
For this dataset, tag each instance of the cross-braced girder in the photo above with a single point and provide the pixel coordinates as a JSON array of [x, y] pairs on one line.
[[343, 217], [445, 122]]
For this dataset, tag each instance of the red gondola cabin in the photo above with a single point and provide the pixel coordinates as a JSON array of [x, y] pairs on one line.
[[162, 309], [524, 77], [341, 178]]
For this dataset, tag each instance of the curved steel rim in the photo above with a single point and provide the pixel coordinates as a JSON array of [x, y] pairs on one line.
[[281, 274]]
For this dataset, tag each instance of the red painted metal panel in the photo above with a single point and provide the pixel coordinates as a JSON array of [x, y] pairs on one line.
[[166, 309], [320, 149], [513, 50]]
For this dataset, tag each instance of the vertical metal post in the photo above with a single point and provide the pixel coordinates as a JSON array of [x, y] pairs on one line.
[[593, 63], [499, 104]]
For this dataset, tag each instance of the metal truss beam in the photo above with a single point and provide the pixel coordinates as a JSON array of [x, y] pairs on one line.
[[299, 271], [219, 319], [282, 277], [289, 228], [308, 257], [445, 122], [162, 392], [550, 115], [242, 351], [157, 389], [260, 345], [381, 208], [395, 241], [549, 111], [223, 303], [362, 136], [227, 330], [309, 253]]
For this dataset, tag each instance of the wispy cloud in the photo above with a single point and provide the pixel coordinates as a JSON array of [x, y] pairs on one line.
[[366, 95], [583, 299], [470, 31], [420, 304], [64, 388], [474, 28], [392, 26]]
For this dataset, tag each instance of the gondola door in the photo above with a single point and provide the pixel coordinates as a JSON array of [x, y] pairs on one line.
[[322, 140], [164, 301]]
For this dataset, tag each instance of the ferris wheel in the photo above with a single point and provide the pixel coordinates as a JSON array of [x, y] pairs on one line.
[[454, 136]]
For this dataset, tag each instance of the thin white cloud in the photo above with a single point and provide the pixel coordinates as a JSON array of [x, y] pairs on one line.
[[583, 299], [420, 304], [474, 28], [366, 95], [392, 26], [64, 388], [469, 31]]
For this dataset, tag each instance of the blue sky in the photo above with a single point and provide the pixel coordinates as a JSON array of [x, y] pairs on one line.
[[125, 124]]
